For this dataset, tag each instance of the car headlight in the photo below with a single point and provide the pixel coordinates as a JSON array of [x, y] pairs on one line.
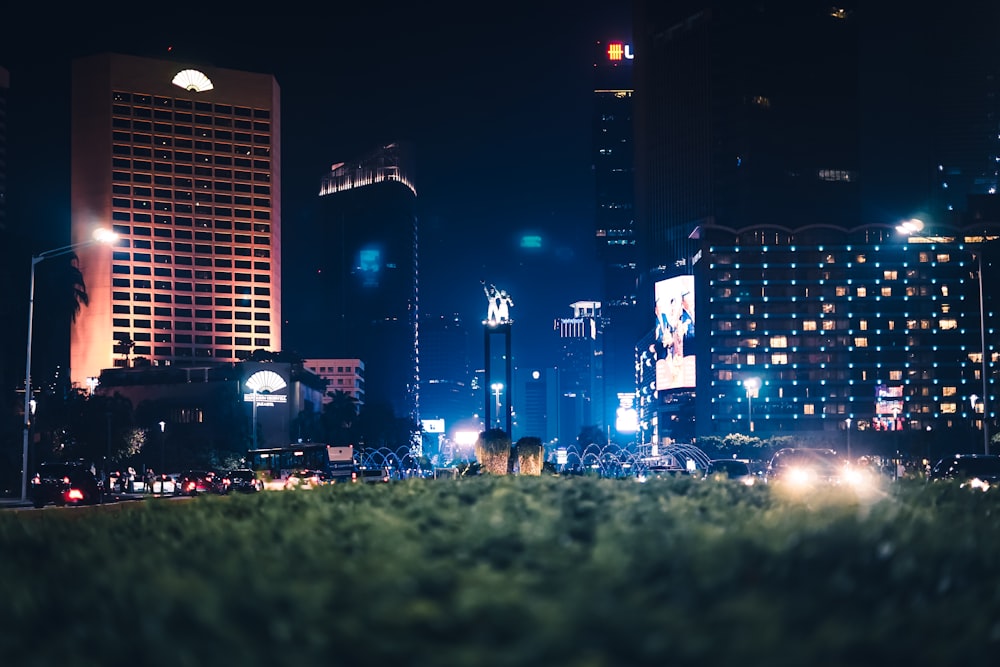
[[799, 476], [976, 483]]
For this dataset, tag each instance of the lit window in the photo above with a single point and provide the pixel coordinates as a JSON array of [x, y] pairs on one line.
[[779, 341], [949, 391], [809, 325], [779, 358], [886, 291], [751, 359], [895, 375], [889, 275], [949, 408], [948, 324], [863, 325], [862, 292], [861, 341], [808, 409], [829, 325], [841, 291]]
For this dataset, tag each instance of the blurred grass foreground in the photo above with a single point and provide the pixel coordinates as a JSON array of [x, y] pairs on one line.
[[509, 571]]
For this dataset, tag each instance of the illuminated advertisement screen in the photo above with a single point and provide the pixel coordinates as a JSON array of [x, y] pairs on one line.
[[674, 333]]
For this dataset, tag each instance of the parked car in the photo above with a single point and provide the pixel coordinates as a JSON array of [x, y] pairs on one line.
[[374, 475], [733, 469], [245, 481], [662, 472], [65, 484], [805, 467], [194, 482], [980, 471]]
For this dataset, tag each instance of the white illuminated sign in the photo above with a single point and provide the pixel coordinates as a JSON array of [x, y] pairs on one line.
[[262, 383]]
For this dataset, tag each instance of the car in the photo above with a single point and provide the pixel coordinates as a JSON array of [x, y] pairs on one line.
[[733, 469], [371, 475], [662, 472], [978, 471], [65, 484], [194, 482], [245, 481], [805, 467]]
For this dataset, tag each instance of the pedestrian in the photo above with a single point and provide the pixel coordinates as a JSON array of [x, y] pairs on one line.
[[150, 478]]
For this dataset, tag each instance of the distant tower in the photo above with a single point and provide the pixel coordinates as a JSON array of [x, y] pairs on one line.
[[617, 252], [184, 163], [581, 371], [445, 377], [363, 276]]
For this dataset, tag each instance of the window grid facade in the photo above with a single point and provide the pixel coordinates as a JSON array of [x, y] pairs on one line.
[[192, 207], [834, 328], [188, 179]]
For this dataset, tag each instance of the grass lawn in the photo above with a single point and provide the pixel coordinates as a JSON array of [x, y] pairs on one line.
[[512, 571]]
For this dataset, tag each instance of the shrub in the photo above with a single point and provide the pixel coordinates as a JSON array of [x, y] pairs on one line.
[[493, 451], [530, 455]]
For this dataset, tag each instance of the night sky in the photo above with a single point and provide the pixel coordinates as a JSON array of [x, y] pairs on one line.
[[496, 100]]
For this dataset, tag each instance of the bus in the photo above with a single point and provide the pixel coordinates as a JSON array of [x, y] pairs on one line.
[[279, 467]]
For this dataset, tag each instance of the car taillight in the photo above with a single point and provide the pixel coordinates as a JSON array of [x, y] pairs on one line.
[[65, 480], [74, 494]]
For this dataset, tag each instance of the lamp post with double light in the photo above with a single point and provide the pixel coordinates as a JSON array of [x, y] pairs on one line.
[[914, 227], [100, 236]]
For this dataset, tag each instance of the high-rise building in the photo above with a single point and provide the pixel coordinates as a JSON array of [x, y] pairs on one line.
[[617, 251], [778, 147], [362, 283], [581, 370], [346, 376], [7, 258], [445, 370], [183, 162], [4, 88]]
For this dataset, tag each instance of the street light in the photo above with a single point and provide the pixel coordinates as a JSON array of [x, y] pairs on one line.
[[497, 388], [913, 227], [752, 386], [848, 422], [100, 236]]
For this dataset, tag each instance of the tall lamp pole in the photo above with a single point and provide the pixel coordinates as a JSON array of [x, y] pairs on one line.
[[100, 236], [752, 385]]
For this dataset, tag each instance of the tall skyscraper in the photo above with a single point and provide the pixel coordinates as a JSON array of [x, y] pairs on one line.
[[778, 147], [445, 370], [7, 257], [614, 216], [363, 287], [581, 369], [183, 161]]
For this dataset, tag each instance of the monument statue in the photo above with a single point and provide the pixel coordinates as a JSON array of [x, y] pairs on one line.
[[499, 304]]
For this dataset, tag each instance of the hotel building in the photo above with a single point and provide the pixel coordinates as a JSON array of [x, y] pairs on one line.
[[183, 162]]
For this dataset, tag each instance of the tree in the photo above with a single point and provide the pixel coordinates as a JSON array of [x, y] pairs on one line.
[[339, 417]]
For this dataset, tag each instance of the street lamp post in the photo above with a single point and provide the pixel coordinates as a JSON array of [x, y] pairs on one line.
[[914, 227], [752, 386], [497, 388], [848, 423], [100, 236]]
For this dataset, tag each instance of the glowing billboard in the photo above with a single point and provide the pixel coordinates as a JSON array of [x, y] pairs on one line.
[[674, 333]]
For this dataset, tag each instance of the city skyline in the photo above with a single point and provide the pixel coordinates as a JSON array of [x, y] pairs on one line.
[[502, 137]]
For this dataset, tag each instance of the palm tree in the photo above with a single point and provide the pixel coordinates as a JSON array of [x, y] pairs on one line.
[[339, 416], [76, 289]]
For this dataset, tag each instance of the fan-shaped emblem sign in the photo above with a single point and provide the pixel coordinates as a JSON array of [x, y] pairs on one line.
[[192, 79], [265, 381]]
